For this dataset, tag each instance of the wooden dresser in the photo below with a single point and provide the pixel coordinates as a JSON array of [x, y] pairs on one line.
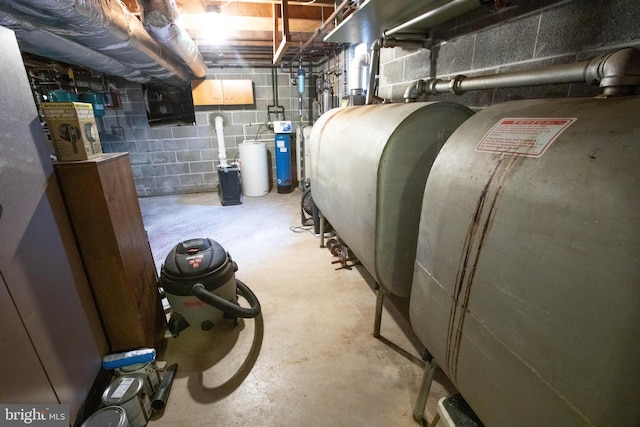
[[101, 199]]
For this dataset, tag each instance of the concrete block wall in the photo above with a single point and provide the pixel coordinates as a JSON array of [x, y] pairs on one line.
[[559, 33], [182, 159], [529, 34]]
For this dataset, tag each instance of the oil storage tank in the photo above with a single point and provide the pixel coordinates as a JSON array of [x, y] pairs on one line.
[[526, 287], [370, 165]]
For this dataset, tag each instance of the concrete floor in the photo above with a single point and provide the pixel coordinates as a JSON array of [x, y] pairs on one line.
[[310, 358]]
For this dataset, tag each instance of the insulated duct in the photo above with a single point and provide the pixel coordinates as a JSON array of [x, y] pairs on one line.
[[103, 26], [36, 41], [162, 21]]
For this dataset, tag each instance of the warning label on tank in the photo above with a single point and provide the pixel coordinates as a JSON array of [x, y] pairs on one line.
[[529, 137]]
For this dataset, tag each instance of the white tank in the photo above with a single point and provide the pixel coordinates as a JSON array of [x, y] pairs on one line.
[[370, 165], [254, 166], [526, 287]]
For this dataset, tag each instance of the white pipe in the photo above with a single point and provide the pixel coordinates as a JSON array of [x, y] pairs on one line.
[[222, 151], [356, 70]]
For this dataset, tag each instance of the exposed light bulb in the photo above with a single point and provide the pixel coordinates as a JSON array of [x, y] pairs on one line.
[[213, 28]]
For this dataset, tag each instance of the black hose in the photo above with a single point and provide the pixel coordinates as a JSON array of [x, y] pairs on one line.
[[160, 398], [229, 307]]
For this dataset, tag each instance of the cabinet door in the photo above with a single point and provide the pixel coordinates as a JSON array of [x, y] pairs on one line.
[[207, 92], [237, 92], [20, 365]]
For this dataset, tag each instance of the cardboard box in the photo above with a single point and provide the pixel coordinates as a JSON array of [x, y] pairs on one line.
[[73, 130]]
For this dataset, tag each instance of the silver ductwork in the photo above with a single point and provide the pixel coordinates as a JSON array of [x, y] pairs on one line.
[[162, 21], [615, 72], [35, 40], [99, 34]]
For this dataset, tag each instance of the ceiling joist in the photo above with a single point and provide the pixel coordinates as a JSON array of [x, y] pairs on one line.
[[269, 31]]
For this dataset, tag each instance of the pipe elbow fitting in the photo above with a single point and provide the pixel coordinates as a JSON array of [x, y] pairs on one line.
[[218, 122], [618, 72], [413, 91]]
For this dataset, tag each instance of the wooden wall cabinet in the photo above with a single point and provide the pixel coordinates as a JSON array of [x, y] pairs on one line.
[[105, 215], [222, 92]]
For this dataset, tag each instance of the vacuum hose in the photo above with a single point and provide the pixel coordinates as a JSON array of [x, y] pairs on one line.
[[161, 396], [227, 306]]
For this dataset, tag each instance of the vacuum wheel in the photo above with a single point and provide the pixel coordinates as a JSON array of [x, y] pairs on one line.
[[307, 207], [307, 201]]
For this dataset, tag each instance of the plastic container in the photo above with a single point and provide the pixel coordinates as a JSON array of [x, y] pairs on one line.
[[96, 100], [255, 168], [61, 95]]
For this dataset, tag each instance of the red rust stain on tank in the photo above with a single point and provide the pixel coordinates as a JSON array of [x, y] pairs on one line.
[[474, 242]]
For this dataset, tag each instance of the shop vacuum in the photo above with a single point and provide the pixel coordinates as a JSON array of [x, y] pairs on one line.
[[198, 277]]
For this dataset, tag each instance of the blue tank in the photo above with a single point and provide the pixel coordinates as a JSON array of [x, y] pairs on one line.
[[283, 162]]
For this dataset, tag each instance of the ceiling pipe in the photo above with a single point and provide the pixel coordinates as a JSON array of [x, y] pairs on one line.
[[35, 40], [374, 61], [106, 27], [311, 3], [162, 21], [618, 73], [374, 72], [324, 25], [443, 11]]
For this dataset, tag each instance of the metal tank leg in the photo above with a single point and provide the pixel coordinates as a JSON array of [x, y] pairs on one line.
[[423, 391], [435, 420], [322, 223], [379, 304]]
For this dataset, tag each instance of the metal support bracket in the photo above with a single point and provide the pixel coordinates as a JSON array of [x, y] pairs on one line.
[[280, 47], [322, 227], [377, 322], [423, 392]]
